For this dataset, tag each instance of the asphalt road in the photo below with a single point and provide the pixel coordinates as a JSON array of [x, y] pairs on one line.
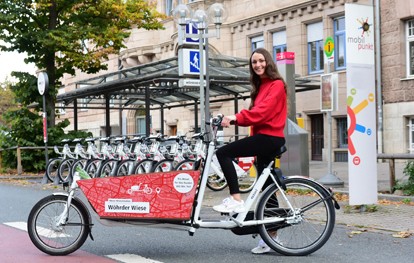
[[143, 244]]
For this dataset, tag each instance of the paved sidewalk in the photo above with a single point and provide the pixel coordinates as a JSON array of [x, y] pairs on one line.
[[391, 216]]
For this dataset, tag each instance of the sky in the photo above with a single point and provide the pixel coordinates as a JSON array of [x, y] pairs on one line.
[[13, 61]]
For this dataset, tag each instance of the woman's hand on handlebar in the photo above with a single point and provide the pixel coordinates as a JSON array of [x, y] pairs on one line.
[[228, 120]]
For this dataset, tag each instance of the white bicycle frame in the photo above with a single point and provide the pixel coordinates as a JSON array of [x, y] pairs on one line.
[[229, 221], [239, 221]]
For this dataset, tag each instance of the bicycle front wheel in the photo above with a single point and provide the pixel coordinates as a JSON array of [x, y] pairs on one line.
[[186, 165], [64, 169], [312, 226], [163, 166], [51, 237], [126, 168], [52, 168]]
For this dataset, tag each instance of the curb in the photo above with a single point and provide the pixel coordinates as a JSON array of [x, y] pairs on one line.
[[389, 197]]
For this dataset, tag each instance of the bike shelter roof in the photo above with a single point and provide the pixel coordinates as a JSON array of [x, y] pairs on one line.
[[158, 84]]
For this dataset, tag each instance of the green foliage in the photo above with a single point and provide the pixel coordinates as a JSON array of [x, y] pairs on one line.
[[62, 36], [26, 91], [7, 100], [27, 130], [406, 201], [59, 36], [407, 186]]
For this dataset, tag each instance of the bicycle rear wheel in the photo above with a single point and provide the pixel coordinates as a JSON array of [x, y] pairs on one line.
[[52, 238], [306, 233], [215, 182]]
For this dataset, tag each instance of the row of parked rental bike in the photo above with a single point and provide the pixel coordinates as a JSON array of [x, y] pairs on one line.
[[123, 156]]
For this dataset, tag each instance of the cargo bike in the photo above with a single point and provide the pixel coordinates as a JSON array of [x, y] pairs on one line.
[[295, 215]]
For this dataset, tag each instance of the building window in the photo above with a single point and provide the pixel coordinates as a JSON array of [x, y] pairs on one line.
[[315, 48], [339, 51], [168, 7], [410, 48], [83, 104], [140, 122], [61, 108], [257, 42], [342, 132], [279, 43], [411, 135]]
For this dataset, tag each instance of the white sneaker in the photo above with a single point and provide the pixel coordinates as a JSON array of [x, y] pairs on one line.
[[230, 205], [262, 248]]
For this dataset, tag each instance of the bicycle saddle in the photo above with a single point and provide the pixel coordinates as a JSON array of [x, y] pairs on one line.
[[279, 153]]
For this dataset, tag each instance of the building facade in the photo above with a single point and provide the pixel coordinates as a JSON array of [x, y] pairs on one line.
[[299, 26]]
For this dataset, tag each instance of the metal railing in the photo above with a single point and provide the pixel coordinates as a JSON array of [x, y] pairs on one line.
[[19, 154], [392, 157]]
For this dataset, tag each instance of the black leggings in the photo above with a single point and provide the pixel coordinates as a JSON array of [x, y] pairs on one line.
[[260, 145]]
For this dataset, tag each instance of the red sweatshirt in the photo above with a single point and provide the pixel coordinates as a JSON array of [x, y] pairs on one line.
[[269, 113]]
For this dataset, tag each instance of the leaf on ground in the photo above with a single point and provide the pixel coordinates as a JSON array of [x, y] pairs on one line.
[[403, 234], [355, 232]]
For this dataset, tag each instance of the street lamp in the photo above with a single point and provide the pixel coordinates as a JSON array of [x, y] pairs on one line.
[[184, 17]]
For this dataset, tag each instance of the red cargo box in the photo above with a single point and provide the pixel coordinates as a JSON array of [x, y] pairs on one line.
[[154, 196]]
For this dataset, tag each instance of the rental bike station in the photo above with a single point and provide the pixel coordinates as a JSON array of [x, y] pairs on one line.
[[297, 210]]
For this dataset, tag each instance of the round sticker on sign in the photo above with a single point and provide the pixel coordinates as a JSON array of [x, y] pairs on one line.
[[183, 183]]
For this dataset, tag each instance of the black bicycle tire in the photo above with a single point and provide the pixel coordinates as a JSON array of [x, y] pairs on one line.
[[39, 242], [285, 246]]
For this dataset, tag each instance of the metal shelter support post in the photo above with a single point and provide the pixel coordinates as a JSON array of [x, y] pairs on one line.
[[147, 111], [203, 107], [75, 114], [236, 110], [207, 113], [107, 116], [195, 117], [162, 119]]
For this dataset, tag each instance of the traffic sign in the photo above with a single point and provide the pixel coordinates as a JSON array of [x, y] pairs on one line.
[[329, 46]]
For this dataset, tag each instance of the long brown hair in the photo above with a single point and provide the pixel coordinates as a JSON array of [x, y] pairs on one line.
[[271, 71]]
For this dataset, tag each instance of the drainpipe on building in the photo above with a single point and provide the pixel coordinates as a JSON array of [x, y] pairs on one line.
[[379, 80]]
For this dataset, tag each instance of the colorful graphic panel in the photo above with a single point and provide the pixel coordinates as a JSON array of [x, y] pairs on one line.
[[361, 106], [158, 195]]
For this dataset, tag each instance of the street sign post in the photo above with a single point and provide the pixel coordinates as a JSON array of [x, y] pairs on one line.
[[42, 86]]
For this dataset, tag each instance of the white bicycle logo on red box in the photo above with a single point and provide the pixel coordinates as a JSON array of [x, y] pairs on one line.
[[146, 189]]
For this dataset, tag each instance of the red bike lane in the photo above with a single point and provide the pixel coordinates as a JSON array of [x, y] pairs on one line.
[[16, 246]]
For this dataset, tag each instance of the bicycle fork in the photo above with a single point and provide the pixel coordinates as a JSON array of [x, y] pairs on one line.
[[63, 217]]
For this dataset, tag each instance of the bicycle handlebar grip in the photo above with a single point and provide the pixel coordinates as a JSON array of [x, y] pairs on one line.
[[216, 121]]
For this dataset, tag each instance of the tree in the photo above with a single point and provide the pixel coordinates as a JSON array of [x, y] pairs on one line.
[[7, 100], [60, 36]]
